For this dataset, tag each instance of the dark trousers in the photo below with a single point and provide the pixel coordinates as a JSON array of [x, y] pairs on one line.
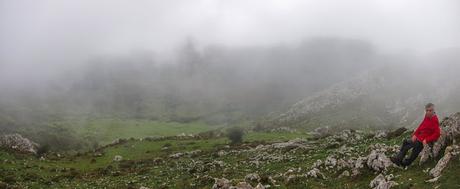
[[408, 144]]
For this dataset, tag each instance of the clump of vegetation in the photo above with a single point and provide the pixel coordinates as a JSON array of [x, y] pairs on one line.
[[235, 135], [43, 149]]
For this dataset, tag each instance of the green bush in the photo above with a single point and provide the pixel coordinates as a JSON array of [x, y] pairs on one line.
[[235, 135]]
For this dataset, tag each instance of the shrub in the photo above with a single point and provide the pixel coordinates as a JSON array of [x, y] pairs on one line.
[[43, 149], [235, 135]]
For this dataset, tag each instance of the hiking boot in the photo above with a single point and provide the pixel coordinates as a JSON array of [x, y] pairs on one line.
[[396, 161]]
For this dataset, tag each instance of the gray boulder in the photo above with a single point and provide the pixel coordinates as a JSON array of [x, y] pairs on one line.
[[18, 143]]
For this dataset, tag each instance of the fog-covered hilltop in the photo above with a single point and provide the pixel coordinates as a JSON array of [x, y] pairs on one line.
[[216, 84], [388, 95]]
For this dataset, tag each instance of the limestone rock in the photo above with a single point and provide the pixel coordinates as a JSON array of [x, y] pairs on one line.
[[252, 177], [222, 183], [117, 158], [315, 173], [450, 130], [382, 182], [425, 154], [378, 161], [18, 143], [242, 185], [259, 186], [344, 174], [442, 163]]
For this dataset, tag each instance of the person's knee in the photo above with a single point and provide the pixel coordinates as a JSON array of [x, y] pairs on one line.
[[407, 141]]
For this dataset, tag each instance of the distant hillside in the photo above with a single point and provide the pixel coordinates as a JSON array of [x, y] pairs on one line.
[[387, 96]]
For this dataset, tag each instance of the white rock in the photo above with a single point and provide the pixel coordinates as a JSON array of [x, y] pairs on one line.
[[117, 158], [380, 182], [18, 143]]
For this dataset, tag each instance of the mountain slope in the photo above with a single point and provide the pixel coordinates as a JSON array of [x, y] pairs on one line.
[[387, 96]]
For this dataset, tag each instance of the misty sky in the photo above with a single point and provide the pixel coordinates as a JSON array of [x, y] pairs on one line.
[[47, 32]]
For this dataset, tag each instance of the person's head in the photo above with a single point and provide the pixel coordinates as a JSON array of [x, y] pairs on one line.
[[429, 109]]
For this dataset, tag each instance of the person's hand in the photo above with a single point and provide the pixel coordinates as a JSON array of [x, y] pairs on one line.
[[424, 142], [414, 138]]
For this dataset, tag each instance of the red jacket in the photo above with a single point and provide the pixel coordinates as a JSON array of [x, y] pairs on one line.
[[428, 130]]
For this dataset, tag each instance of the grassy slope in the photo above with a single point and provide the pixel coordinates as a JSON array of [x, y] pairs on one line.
[[106, 130], [139, 168]]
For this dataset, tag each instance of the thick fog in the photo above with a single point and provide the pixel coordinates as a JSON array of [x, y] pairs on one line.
[[218, 60]]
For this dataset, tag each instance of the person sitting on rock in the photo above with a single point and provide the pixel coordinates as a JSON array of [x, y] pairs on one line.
[[427, 132]]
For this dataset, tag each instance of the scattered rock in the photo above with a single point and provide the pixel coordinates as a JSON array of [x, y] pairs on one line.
[[18, 143], [435, 179], [380, 134], [425, 154], [242, 185], [378, 161], [176, 155], [450, 130], [344, 174], [222, 183], [259, 186], [321, 132], [252, 177], [442, 163], [382, 182], [315, 173], [117, 158]]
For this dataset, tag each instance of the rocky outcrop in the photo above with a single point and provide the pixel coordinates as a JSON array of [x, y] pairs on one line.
[[221, 183], [450, 152], [378, 161], [382, 182], [450, 132], [315, 173], [18, 143], [425, 154]]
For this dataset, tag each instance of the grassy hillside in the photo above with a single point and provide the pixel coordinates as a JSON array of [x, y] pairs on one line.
[[149, 163]]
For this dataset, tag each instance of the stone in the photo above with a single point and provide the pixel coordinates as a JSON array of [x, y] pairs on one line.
[[380, 134], [444, 161], [425, 154], [344, 174], [315, 173], [450, 130], [222, 183], [242, 185], [252, 177], [381, 182], [176, 155], [259, 186], [378, 161], [117, 158], [18, 143]]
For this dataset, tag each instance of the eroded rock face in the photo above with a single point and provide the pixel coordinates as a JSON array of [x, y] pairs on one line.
[[450, 130], [382, 182], [425, 154], [18, 143], [450, 152], [378, 161]]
